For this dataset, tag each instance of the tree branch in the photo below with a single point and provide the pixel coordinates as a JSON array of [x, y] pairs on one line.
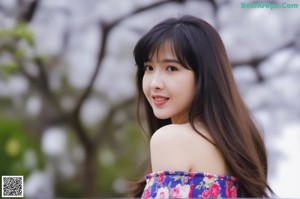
[[77, 126], [44, 86], [254, 62], [31, 79], [106, 28], [28, 14], [144, 8], [107, 122], [257, 60]]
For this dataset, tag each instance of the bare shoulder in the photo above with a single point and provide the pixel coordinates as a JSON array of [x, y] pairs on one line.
[[178, 134], [179, 147], [165, 133], [167, 149]]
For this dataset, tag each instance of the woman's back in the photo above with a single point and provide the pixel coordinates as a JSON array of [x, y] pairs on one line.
[[177, 147]]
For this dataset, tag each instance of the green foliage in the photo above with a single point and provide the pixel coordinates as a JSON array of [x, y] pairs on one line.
[[68, 189], [125, 164], [10, 68], [20, 31], [19, 53], [14, 142]]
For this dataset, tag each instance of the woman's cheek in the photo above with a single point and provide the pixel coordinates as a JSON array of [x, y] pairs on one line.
[[146, 86]]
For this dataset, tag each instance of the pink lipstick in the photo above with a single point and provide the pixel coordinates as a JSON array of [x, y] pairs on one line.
[[159, 100]]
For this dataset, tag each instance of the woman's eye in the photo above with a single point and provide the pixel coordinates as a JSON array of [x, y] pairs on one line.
[[148, 68], [171, 68]]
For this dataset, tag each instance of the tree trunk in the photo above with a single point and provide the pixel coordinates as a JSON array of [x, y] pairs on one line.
[[90, 173]]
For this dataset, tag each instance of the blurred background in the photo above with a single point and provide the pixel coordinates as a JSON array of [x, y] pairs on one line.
[[67, 88]]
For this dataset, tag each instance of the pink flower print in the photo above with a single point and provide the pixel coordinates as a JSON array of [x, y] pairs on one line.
[[181, 191], [161, 178], [215, 190], [175, 193], [146, 194], [191, 190], [228, 192], [209, 176], [162, 195], [162, 192], [228, 183], [192, 174], [231, 192], [205, 194]]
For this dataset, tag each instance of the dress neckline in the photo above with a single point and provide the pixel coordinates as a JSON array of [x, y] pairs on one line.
[[190, 174]]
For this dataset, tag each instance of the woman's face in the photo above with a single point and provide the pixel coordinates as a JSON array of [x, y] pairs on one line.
[[168, 86]]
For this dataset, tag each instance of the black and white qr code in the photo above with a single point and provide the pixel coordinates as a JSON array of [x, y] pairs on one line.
[[12, 186]]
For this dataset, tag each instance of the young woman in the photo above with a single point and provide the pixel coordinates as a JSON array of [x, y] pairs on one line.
[[204, 142]]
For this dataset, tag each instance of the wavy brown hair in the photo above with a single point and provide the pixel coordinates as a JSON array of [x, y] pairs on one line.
[[217, 102]]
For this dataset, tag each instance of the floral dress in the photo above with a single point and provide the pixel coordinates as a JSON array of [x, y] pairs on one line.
[[181, 184]]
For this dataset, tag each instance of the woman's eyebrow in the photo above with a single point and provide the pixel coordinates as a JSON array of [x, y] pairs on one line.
[[171, 61], [165, 61]]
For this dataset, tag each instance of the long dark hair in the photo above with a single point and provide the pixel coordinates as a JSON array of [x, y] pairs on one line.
[[217, 102]]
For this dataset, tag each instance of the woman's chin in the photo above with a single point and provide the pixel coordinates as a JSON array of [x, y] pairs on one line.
[[161, 116]]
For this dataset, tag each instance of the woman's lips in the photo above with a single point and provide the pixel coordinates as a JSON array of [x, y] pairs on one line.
[[159, 100]]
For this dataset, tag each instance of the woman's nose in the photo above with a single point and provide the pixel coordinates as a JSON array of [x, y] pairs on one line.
[[157, 82]]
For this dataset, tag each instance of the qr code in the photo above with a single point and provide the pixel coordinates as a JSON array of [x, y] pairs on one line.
[[12, 186]]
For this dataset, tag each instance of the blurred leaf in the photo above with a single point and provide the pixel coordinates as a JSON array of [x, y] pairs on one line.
[[19, 53], [5, 33], [13, 147], [10, 68], [21, 31]]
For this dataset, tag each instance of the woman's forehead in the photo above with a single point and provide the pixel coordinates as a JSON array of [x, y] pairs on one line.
[[165, 49]]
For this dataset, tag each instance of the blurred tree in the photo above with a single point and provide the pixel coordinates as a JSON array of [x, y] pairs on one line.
[[52, 113], [102, 143]]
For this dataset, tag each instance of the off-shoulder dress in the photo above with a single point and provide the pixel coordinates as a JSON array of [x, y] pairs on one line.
[[181, 184]]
